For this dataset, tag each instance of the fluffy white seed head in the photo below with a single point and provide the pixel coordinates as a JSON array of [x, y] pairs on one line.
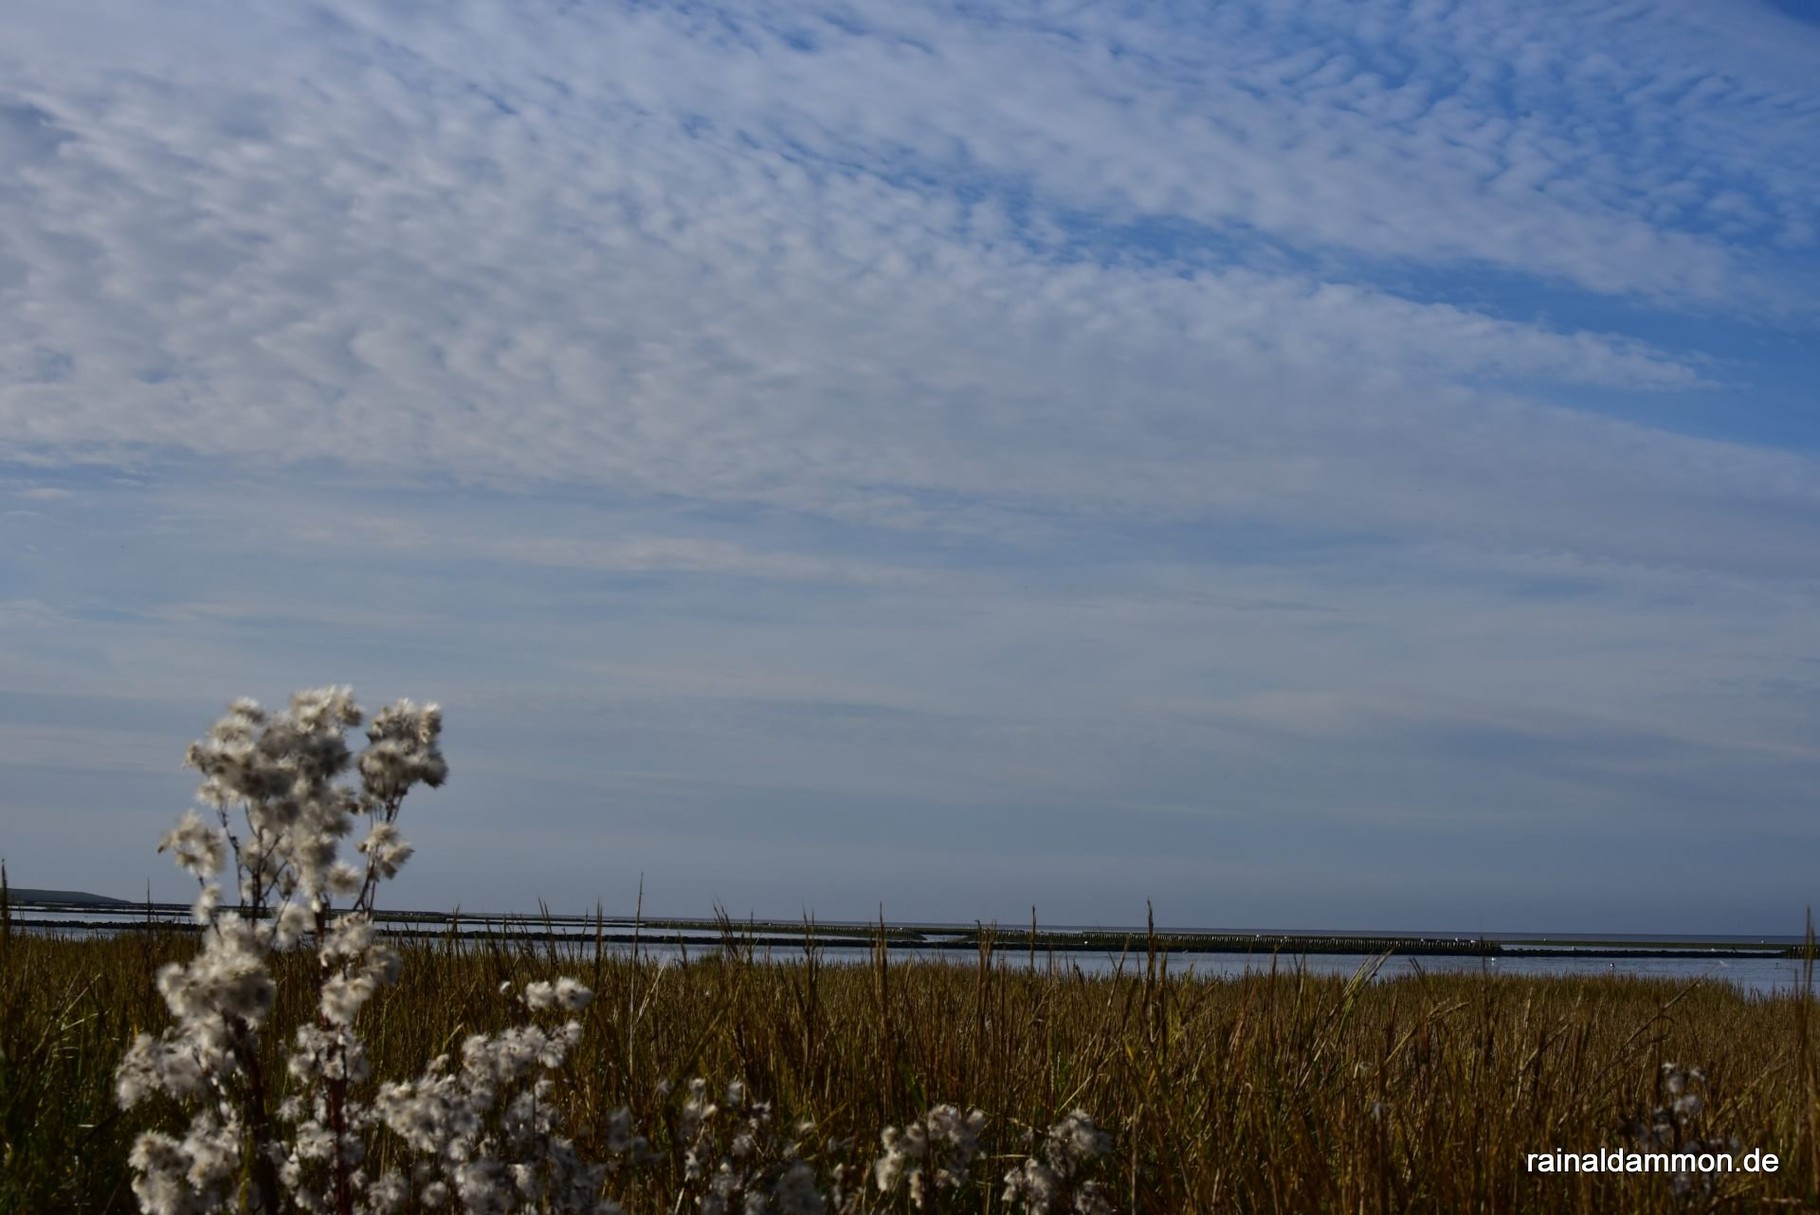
[[196, 846], [565, 993]]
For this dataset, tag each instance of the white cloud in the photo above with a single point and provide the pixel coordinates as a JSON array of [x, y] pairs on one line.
[[372, 264], [620, 554]]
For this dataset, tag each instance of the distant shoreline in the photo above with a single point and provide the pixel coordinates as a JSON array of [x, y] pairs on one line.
[[795, 935], [73, 898]]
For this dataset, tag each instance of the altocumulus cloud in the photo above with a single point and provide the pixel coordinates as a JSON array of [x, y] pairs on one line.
[[826, 448]]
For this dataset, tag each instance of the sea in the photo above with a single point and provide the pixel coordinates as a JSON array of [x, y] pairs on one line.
[[1757, 966]]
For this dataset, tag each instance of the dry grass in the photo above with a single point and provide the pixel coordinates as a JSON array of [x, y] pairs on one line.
[[1278, 1094]]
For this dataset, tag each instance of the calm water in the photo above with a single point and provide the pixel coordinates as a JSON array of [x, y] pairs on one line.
[[1568, 953], [1755, 976]]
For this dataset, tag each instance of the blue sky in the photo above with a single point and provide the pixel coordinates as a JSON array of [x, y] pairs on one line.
[[1303, 464]]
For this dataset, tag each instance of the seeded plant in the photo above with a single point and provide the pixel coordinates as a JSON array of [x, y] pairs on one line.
[[928, 1156], [482, 1133], [1680, 1124], [1058, 1176], [486, 1134]]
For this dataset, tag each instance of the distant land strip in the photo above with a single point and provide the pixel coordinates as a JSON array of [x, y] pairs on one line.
[[74, 898]]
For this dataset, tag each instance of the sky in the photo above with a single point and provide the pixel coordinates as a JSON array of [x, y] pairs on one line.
[[1302, 464]]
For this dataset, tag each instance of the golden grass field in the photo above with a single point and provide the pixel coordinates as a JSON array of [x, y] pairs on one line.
[[1275, 1093]]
